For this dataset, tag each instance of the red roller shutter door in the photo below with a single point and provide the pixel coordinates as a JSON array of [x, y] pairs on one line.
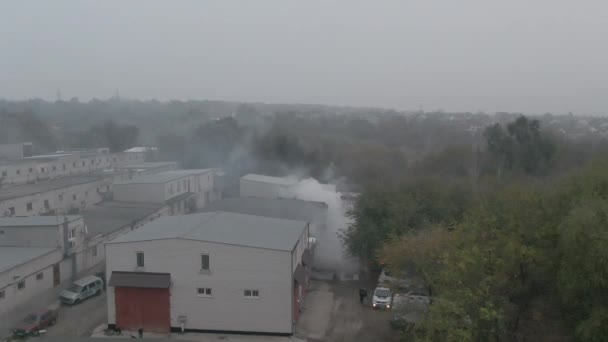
[[142, 308]]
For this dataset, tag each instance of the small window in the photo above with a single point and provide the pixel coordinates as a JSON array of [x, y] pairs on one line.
[[140, 259], [30, 170], [203, 292], [94, 251], [74, 197], [86, 193], [47, 205], [2, 294], [54, 168], [83, 163], [61, 198], [30, 206], [74, 165], [43, 169], [64, 167], [252, 294], [4, 173], [11, 211], [18, 172], [21, 285], [92, 161], [72, 233], [40, 276], [205, 262]]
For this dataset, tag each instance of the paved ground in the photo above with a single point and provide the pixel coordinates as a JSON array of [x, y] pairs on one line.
[[49, 298], [333, 313], [81, 319]]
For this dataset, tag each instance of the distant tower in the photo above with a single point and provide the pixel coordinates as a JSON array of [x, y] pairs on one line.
[[58, 95]]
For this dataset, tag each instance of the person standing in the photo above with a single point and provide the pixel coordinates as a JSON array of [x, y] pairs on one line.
[[362, 294]]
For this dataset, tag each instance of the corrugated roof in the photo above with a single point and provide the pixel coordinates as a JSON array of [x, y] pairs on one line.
[[33, 221], [11, 257], [110, 216], [222, 227], [291, 209], [162, 177], [270, 179]]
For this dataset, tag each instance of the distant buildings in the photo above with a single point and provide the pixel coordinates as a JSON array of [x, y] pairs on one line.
[[57, 210]]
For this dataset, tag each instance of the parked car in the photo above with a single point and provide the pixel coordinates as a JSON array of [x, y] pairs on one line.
[[34, 322], [382, 298], [82, 289]]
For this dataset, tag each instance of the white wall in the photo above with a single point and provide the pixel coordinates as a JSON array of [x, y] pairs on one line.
[[42, 236], [139, 192], [232, 269], [251, 188], [86, 195], [8, 281]]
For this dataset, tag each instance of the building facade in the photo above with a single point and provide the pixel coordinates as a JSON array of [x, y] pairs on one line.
[[209, 272]]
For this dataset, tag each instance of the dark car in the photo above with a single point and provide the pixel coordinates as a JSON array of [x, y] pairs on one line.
[[34, 322]]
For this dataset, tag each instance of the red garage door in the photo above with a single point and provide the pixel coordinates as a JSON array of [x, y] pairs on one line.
[[143, 308]]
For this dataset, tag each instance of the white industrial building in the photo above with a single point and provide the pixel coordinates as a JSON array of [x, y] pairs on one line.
[[60, 196], [36, 254], [212, 271], [183, 190], [261, 186]]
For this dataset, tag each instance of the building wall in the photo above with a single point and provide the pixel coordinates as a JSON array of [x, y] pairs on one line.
[[139, 192], [43, 236], [232, 270], [250, 188], [13, 151], [18, 173], [9, 280], [61, 200]]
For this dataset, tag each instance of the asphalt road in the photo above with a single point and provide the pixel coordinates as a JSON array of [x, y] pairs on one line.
[[333, 313], [80, 320]]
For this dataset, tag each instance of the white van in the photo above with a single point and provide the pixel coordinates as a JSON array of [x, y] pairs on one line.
[[82, 289]]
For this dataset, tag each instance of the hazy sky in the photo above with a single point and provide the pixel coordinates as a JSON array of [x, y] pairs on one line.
[[458, 55]]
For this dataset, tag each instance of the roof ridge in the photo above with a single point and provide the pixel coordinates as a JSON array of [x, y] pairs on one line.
[[198, 224]]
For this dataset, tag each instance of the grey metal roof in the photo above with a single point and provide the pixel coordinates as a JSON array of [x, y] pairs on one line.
[[145, 165], [140, 279], [222, 227], [109, 216], [33, 221], [36, 188], [291, 209], [11, 257], [269, 179], [162, 177]]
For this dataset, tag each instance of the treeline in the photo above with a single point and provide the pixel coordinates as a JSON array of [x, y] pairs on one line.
[[516, 253]]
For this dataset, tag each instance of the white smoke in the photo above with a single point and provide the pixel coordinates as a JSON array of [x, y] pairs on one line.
[[329, 252]]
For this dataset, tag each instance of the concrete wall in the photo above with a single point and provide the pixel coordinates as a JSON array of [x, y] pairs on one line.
[[139, 192], [43, 236], [60, 200], [33, 287], [232, 270], [18, 173], [250, 188], [12, 151]]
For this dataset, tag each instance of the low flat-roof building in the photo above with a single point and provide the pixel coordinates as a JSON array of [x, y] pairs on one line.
[[26, 272], [213, 271], [183, 190], [61, 195], [261, 186]]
